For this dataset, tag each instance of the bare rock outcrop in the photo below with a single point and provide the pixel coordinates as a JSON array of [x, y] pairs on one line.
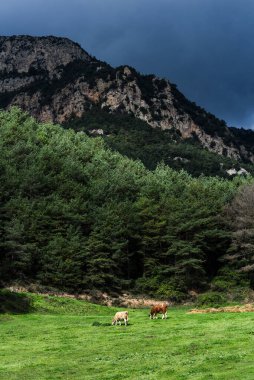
[[54, 79]]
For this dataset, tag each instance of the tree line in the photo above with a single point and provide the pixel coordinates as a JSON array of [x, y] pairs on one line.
[[75, 215]]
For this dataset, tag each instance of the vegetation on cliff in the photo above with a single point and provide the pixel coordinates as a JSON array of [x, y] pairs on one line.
[[137, 140]]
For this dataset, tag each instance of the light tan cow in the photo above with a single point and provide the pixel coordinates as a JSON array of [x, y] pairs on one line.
[[119, 316]]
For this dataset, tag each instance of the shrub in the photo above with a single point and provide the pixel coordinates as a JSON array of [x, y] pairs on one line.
[[220, 285], [14, 302], [146, 285], [167, 291], [228, 279], [211, 299]]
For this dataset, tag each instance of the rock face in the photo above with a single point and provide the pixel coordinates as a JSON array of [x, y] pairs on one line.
[[54, 79], [25, 54]]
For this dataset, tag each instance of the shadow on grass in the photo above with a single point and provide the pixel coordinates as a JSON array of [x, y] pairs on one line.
[[99, 324], [14, 303]]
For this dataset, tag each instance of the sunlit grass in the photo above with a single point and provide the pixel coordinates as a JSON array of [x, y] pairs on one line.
[[67, 342]]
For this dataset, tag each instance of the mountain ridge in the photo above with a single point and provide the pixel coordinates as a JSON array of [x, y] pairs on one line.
[[54, 79]]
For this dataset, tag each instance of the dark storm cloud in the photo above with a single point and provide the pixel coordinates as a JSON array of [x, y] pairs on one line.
[[206, 47]]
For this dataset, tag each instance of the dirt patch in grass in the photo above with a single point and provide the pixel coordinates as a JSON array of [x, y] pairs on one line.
[[98, 297], [226, 309]]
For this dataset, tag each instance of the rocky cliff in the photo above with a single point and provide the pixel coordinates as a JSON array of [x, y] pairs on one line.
[[54, 79]]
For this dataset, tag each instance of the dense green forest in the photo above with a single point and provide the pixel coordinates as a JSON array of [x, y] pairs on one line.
[[77, 216], [137, 140]]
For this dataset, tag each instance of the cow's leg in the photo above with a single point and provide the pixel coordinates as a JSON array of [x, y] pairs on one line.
[[120, 322], [166, 315], [125, 322]]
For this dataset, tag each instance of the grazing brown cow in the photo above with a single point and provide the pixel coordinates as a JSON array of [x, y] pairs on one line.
[[156, 309], [119, 316]]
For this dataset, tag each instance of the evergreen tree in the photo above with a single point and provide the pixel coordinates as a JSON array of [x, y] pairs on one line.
[[240, 217]]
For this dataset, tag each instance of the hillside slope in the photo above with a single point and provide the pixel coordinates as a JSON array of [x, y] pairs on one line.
[[76, 216]]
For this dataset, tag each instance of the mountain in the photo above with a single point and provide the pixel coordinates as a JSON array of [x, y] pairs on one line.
[[55, 80]]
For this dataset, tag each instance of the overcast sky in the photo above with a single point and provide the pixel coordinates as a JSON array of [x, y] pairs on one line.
[[206, 47]]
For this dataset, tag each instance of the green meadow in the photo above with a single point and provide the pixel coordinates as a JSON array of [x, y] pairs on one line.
[[52, 338]]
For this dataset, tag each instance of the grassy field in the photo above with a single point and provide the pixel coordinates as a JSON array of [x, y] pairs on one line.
[[58, 338]]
